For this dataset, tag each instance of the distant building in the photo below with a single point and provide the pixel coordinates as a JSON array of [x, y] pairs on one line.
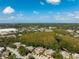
[[48, 30], [77, 31], [8, 31], [70, 31]]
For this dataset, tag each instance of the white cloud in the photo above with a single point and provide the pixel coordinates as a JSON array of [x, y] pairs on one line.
[[8, 10], [54, 2], [35, 12], [44, 17], [42, 3], [67, 16]]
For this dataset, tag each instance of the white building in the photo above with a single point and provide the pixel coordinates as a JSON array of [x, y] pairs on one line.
[[48, 30], [8, 31], [70, 30]]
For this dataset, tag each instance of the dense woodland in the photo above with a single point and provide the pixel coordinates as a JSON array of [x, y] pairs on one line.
[[58, 25]]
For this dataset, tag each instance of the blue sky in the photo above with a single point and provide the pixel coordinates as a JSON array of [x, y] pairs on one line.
[[39, 11]]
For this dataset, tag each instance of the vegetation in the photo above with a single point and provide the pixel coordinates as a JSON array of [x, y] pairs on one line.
[[8, 41], [54, 40], [31, 57], [38, 39], [57, 55], [70, 43], [12, 56], [58, 40], [23, 51]]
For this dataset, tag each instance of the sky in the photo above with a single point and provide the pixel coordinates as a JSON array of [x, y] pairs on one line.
[[39, 11]]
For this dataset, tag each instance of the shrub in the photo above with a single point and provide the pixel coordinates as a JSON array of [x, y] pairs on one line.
[[31, 57], [22, 50], [57, 55], [11, 57]]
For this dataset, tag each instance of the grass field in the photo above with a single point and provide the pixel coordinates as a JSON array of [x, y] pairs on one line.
[[39, 39], [49, 40]]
